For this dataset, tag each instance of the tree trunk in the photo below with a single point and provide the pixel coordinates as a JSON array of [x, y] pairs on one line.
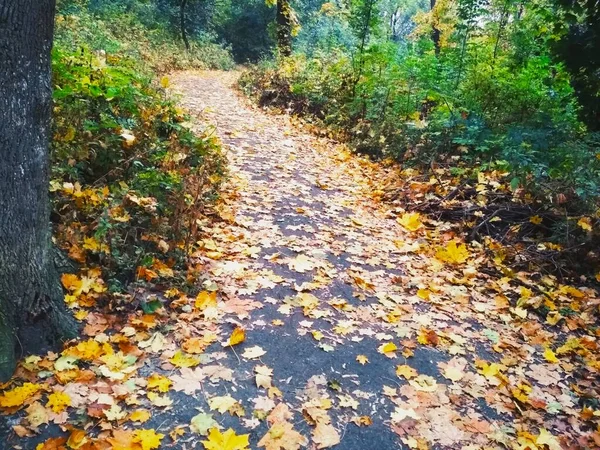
[[435, 32], [284, 28], [32, 309], [182, 24]]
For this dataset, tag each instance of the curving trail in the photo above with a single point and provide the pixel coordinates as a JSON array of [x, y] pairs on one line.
[[370, 339]]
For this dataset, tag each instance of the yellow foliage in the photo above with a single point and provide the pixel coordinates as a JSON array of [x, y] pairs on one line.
[[159, 383], [206, 299], [180, 359], [18, 396], [410, 221], [226, 441], [148, 439], [58, 401], [237, 337], [453, 253]]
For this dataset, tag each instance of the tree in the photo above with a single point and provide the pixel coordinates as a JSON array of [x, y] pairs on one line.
[[186, 41], [32, 309], [285, 25]]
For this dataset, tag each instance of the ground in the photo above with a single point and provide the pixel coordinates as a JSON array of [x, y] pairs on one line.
[[363, 327]]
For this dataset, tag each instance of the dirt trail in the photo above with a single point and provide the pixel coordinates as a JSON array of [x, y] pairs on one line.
[[326, 280]]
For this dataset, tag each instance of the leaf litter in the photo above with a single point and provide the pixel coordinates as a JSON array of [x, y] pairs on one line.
[[321, 313]]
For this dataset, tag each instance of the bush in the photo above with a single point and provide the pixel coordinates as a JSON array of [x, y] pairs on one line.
[[129, 180]]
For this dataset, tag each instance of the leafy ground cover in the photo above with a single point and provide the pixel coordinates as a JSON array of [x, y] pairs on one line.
[[314, 314]]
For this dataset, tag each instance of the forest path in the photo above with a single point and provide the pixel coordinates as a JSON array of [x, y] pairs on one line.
[[326, 283]]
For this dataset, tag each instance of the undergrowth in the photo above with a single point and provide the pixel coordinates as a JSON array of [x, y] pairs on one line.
[[514, 164], [131, 183]]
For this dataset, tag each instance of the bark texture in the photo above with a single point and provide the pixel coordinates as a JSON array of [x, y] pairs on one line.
[[32, 310], [284, 28], [184, 36], [435, 32]]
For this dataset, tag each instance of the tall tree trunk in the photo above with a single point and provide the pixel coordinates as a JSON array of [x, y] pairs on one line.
[[32, 309], [435, 32], [284, 28], [182, 24]]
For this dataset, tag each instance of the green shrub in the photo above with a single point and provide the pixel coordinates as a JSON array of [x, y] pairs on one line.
[[129, 179]]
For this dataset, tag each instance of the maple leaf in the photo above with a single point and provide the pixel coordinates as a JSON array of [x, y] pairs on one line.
[[58, 401], [453, 253], [536, 220], [237, 336], [115, 412], [263, 376], [36, 415], [550, 356], [282, 436], [66, 363], [325, 435], [585, 223], [547, 438], [180, 359], [88, 350], [148, 439], [254, 352], [189, 381], [388, 349], [400, 414], [140, 415], [226, 441], [203, 422], [159, 400], [19, 395], [77, 439], [222, 404], [159, 383], [206, 299], [301, 264], [362, 359], [410, 221], [406, 371]]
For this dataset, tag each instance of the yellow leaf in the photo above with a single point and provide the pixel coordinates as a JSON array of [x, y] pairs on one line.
[[424, 294], [222, 404], [180, 359], [546, 438], [585, 223], [237, 337], [388, 348], [550, 356], [406, 371], [159, 383], [140, 415], [88, 350], [301, 264], [18, 395], [317, 335], [206, 299], [410, 221], [165, 82], [453, 253], [536, 220], [362, 359], [226, 441], [58, 401], [489, 370], [148, 439], [77, 439]]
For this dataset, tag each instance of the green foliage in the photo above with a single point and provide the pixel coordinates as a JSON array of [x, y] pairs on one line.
[[138, 30], [129, 179], [494, 95]]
